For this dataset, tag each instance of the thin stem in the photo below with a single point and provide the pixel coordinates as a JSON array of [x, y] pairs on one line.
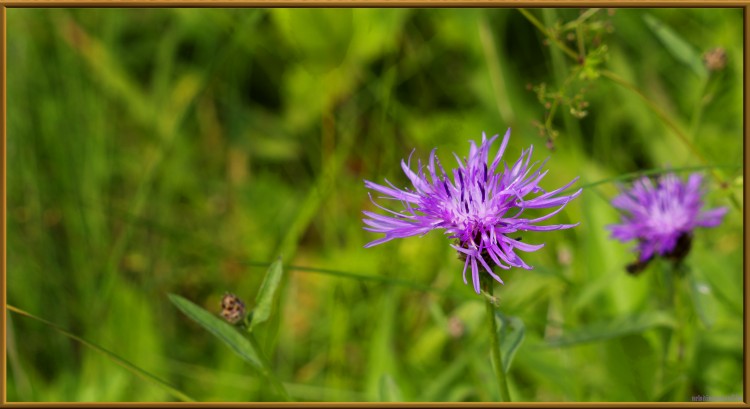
[[665, 285], [544, 31], [493, 67], [695, 119], [658, 111], [633, 175], [673, 126], [681, 333], [267, 372], [497, 356], [110, 355]]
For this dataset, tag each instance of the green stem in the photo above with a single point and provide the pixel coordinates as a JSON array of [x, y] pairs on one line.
[[533, 20], [681, 335], [665, 286], [671, 288], [675, 129], [108, 354], [652, 105], [497, 356], [494, 68], [267, 372], [695, 119]]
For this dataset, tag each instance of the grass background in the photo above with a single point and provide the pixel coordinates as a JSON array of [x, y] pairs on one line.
[[161, 151]]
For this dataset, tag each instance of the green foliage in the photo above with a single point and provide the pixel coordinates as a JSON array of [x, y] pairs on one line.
[[511, 333], [110, 355], [675, 45], [225, 332], [267, 295], [612, 328], [180, 151]]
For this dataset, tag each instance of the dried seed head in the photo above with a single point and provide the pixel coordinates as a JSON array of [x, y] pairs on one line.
[[232, 308], [715, 59]]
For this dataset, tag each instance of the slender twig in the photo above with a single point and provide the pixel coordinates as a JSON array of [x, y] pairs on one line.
[[633, 175], [497, 356], [267, 372], [657, 110], [504, 107], [653, 106], [544, 31], [673, 126], [109, 354]]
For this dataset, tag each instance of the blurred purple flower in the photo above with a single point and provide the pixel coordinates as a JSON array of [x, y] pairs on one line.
[[662, 218], [478, 207]]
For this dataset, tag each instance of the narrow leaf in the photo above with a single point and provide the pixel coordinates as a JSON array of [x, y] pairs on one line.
[[389, 391], [614, 328], [512, 332], [441, 382], [222, 330], [267, 294], [675, 45], [700, 293], [112, 356]]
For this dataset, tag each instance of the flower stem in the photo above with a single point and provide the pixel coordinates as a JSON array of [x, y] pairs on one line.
[[497, 356], [664, 282]]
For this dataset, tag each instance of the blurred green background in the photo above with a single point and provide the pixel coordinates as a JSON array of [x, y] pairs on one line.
[[180, 151]]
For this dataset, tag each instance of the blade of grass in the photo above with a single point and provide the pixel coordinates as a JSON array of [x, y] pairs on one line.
[[112, 356], [676, 45], [221, 329], [163, 121], [212, 376], [245, 348], [21, 378], [381, 354], [315, 198], [633, 175], [442, 381], [367, 277], [614, 328], [489, 48], [512, 332], [266, 294], [671, 125], [389, 391]]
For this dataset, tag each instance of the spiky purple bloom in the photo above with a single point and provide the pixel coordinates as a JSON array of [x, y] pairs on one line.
[[478, 206], [662, 216]]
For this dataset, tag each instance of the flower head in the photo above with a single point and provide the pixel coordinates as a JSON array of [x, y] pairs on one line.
[[662, 217], [480, 204]]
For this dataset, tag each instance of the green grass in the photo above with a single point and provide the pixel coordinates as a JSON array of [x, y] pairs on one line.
[[181, 151]]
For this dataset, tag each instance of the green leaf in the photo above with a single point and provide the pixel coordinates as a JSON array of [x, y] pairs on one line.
[[222, 330], [328, 34], [700, 294], [264, 301], [512, 332], [389, 391], [441, 382], [675, 45], [614, 328], [110, 355]]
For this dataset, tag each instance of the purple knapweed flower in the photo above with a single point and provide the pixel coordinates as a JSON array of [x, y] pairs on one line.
[[662, 217], [477, 206]]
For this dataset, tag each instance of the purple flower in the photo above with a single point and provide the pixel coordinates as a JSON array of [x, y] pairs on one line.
[[477, 206], [662, 218]]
